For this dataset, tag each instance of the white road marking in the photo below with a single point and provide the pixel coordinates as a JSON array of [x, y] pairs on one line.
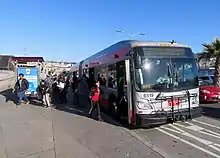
[[207, 124], [214, 147], [172, 130], [176, 128], [200, 130], [212, 132], [189, 143], [203, 141], [195, 128], [217, 145], [209, 134], [215, 133]]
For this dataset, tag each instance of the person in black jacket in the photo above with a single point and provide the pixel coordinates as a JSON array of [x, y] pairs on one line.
[[21, 87], [43, 89]]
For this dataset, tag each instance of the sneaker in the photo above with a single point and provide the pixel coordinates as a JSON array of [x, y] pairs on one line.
[[18, 104], [100, 119], [27, 102]]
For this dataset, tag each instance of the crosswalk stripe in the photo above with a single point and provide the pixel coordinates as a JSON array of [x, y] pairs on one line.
[[182, 132], [189, 143], [207, 124]]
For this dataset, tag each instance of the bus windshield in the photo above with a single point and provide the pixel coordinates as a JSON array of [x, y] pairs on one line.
[[166, 74]]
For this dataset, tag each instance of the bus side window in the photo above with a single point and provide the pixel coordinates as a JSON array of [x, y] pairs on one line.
[[112, 80], [101, 75], [86, 72]]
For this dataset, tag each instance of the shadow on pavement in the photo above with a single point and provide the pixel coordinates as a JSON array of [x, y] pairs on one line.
[[211, 110], [9, 95], [84, 112]]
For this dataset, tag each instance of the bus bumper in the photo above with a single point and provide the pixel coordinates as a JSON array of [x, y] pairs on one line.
[[146, 120]]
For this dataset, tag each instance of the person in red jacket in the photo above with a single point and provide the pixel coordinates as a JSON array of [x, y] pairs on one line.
[[95, 98]]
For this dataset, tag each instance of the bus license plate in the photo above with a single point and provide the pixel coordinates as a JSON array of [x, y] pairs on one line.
[[176, 102]]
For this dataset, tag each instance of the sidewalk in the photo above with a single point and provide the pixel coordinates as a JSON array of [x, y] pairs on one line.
[[30, 131]]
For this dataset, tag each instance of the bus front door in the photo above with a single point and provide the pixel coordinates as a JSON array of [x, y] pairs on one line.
[[129, 91], [124, 91]]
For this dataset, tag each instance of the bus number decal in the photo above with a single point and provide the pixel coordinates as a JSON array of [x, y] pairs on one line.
[[148, 95]]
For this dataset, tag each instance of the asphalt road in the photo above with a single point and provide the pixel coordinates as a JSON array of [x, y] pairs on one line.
[[211, 110], [198, 138]]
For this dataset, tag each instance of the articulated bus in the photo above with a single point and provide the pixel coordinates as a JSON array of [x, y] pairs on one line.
[[145, 83]]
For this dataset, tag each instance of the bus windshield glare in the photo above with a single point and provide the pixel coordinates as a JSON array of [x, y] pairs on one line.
[[166, 73]]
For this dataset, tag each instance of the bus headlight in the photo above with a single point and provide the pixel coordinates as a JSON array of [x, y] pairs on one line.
[[144, 106]]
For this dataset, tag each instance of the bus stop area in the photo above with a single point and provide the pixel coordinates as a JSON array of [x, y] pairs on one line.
[[31, 131]]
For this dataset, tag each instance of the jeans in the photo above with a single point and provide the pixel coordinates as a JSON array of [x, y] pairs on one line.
[[46, 99], [21, 95]]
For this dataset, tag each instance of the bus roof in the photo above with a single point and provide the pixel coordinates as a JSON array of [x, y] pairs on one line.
[[120, 49]]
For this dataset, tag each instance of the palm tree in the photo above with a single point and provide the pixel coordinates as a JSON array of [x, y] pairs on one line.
[[213, 51]]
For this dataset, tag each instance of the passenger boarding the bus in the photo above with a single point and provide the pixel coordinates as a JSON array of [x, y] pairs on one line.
[[95, 98]]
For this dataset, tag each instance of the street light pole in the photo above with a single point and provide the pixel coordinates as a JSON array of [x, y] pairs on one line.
[[130, 35]]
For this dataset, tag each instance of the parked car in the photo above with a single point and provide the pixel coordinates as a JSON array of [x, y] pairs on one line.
[[208, 92]]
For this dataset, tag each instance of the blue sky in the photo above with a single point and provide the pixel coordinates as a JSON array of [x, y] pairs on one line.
[[70, 30]]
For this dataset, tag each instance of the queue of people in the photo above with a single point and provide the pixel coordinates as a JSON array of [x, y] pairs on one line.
[[60, 90]]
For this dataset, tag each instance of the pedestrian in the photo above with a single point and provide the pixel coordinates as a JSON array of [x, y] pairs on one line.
[[21, 87], [95, 98], [45, 93], [55, 92], [61, 85], [83, 92]]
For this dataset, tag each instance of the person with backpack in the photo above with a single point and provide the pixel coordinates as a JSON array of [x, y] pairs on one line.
[[21, 86], [95, 98]]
